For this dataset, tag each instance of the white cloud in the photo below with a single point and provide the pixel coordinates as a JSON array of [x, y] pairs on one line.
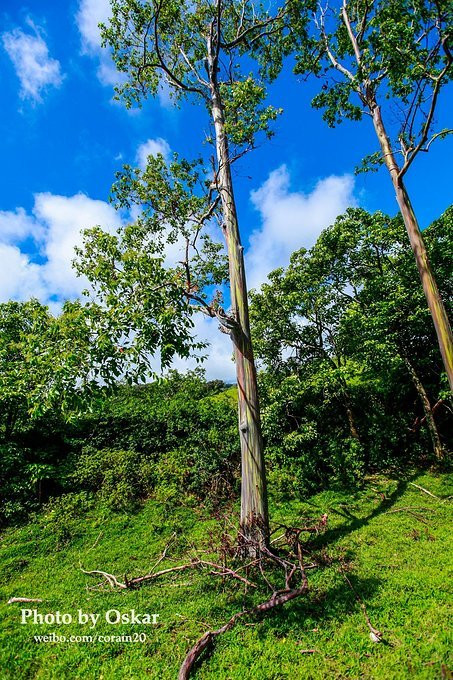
[[292, 219], [20, 279], [63, 219], [151, 148], [219, 362], [91, 13], [34, 66], [56, 224], [17, 226]]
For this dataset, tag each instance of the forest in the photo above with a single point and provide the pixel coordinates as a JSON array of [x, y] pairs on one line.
[[295, 519]]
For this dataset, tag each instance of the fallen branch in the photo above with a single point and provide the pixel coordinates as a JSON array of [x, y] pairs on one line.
[[23, 599], [410, 511], [409, 507], [96, 541], [375, 634], [277, 599], [195, 564], [110, 578], [425, 491], [289, 564]]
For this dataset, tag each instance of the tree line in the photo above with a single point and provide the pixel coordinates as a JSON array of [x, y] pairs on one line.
[[349, 378]]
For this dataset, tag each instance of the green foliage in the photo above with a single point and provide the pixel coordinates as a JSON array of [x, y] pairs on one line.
[[244, 113], [144, 302], [184, 436], [173, 437], [60, 518], [389, 54], [120, 477], [335, 331], [41, 356]]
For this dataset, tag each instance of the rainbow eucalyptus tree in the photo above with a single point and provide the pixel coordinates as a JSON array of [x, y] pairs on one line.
[[202, 51], [389, 59]]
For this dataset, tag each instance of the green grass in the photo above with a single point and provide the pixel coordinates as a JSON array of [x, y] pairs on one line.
[[400, 568]]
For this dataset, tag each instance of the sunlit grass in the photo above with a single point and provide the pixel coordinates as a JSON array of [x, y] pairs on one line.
[[400, 565]]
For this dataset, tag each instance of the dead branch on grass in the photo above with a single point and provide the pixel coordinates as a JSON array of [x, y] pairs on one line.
[[267, 566]]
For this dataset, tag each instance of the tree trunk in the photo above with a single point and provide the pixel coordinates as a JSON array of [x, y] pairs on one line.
[[254, 511], [428, 411], [435, 304], [352, 426]]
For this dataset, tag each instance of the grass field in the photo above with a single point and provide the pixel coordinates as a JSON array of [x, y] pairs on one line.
[[395, 537]]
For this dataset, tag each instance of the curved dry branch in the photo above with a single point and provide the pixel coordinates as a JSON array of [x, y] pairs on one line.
[[218, 570], [278, 598]]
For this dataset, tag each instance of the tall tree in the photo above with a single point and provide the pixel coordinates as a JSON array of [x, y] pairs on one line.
[[373, 55], [201, 50]]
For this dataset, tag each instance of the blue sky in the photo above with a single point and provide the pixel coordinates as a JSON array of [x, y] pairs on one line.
[[62, 138]]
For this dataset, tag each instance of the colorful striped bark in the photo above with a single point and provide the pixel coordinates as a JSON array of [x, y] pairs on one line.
[[254, 511], [435, 304]]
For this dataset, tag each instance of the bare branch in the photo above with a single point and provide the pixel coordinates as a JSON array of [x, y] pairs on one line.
[[173, 79], [335, 63], [428, 121], [351, 34], [23, 599], [242, 38]]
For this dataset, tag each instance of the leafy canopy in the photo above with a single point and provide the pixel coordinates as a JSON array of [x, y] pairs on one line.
[[392, 53]]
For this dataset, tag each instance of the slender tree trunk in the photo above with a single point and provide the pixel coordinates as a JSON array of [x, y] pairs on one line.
[[428, 411], [435, 304], [352, 426], [254, 511]]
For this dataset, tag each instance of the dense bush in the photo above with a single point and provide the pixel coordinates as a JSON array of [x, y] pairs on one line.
[[175, 436], [120, 477], [347, 349], [61, 516]]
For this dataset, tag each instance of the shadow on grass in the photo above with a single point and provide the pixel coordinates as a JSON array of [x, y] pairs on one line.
[[319, 608], [354, 523]]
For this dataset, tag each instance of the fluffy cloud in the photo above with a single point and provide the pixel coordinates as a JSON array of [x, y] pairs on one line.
[[30, 56], [20, 279], [292, 219], [90, 14], [63, 219], [17, 226], [219, 363], [289, 220], [151, 148], [56, 225]]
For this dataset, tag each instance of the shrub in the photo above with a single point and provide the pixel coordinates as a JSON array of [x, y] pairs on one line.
[[121, 478], [61, 516]]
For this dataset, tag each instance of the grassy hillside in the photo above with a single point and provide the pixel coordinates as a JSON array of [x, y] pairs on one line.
[[395, 536]]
